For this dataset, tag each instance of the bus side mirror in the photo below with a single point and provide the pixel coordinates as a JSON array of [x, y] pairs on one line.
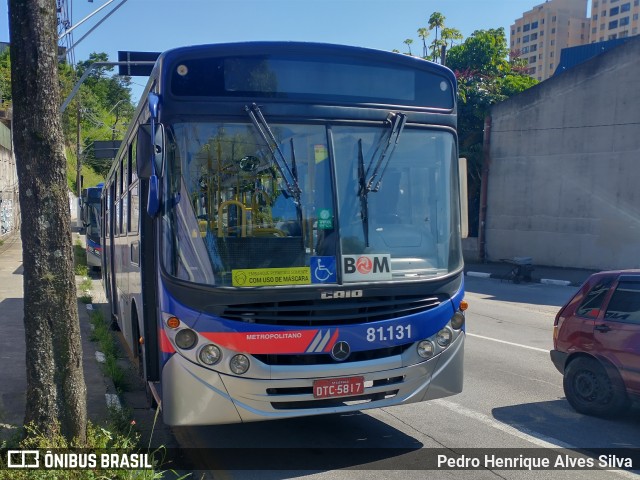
[[464, 202], [150, 155], [143, 151]]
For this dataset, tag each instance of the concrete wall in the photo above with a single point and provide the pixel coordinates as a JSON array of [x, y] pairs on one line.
[[9, 206], [564, 179]]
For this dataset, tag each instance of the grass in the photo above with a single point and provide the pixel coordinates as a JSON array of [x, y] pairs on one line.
[[81, 268], [80, 259], [103, 335], [90, 177], [118, 435]]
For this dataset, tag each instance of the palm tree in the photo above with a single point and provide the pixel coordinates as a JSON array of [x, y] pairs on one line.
[[451, 35], [408, 43], [423, 33], [436, 20]]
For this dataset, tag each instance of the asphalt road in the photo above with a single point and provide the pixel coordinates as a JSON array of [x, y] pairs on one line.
[[512, 405]]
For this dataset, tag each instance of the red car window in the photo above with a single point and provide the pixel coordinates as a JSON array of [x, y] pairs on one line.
[[625, 303], [592, 303]]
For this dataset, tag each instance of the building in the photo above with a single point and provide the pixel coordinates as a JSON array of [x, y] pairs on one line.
[[613, 19], [542, 32]]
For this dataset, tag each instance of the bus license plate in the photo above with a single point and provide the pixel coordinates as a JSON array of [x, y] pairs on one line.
[[338, 387]]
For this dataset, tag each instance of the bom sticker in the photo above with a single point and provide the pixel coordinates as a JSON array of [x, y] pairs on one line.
[[364, 268]]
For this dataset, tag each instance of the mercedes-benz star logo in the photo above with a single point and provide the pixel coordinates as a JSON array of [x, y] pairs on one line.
[[340, 351]]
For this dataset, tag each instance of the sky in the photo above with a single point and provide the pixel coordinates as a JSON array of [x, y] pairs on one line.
[[157, 25]]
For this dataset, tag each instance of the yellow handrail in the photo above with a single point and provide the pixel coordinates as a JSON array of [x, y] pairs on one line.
[[221, 210], [256, 207]]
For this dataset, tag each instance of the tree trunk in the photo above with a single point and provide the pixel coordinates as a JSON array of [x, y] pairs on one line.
[[56, 392]]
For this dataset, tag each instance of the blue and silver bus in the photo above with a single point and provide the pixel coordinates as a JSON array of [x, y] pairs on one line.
[[90, 213], [282, 232]]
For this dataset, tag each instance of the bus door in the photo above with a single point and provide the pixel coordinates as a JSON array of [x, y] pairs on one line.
[[110, 260]]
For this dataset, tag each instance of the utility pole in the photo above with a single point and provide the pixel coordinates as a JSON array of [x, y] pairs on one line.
[[78, 153]]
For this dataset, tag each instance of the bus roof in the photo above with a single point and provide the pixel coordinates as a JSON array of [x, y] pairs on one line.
[[316, 72]]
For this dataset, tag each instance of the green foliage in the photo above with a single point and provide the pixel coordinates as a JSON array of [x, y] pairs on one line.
[[111, 438], [436, 22], [485, 77], [484, 53], [90, 176], [80, 259], [512, 84], [108, 346], [5, 76], [103, 105]]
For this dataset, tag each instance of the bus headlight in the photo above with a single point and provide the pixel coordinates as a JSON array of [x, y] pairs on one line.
[[186, 338], [239, 364], [426, 349], [210, 354], [457, 320], [444, 337]]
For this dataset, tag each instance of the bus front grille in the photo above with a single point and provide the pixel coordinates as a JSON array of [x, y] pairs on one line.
[[331, 312], [326, 359], [334, 402]]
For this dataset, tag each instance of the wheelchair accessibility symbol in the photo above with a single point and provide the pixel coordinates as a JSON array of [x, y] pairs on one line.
[[323, 270]]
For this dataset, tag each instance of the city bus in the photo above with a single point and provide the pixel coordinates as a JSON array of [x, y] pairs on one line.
[[282, 232], [90, 207]]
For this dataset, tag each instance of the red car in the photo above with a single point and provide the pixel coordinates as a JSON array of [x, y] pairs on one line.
[[596, 340]]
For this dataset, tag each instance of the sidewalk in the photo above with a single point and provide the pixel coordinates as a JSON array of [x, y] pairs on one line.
[[540, 274], [13, 381]]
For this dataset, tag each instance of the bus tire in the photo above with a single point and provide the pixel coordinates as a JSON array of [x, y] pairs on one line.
[[592, 391]]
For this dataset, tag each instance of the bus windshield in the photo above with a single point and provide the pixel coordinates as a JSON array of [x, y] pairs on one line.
[[230, 219]]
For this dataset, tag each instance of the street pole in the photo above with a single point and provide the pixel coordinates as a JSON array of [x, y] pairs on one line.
[[78, 153]]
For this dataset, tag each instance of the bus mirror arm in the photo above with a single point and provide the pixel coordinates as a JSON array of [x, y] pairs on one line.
[[156, 157], [153, 199]]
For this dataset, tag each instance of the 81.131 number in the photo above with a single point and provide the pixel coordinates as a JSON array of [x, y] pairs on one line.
[[392, 332]]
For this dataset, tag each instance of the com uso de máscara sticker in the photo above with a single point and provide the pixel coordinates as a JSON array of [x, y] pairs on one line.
[[262, 277]]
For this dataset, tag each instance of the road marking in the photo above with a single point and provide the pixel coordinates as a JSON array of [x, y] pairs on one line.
[[521, 432], [543, 350]]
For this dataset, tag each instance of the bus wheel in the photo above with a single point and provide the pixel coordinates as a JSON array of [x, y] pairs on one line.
[[590, 389]]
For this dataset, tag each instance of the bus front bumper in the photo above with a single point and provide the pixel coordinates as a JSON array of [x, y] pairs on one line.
[[194, 395]]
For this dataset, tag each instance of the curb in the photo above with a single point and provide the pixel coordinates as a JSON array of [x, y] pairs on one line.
[[549, 281], [546, 281], [479, 274]]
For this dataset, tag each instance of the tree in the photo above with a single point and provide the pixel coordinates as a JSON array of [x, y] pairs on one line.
[[451, 35], [423, 33], [56, 392], [5, 76], [408, 43], [485, 77], [436, 21]]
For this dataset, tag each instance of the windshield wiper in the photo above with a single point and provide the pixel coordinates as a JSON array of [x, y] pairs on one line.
[[362, 193], [288, 176], [396, 122], [377, 166]]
